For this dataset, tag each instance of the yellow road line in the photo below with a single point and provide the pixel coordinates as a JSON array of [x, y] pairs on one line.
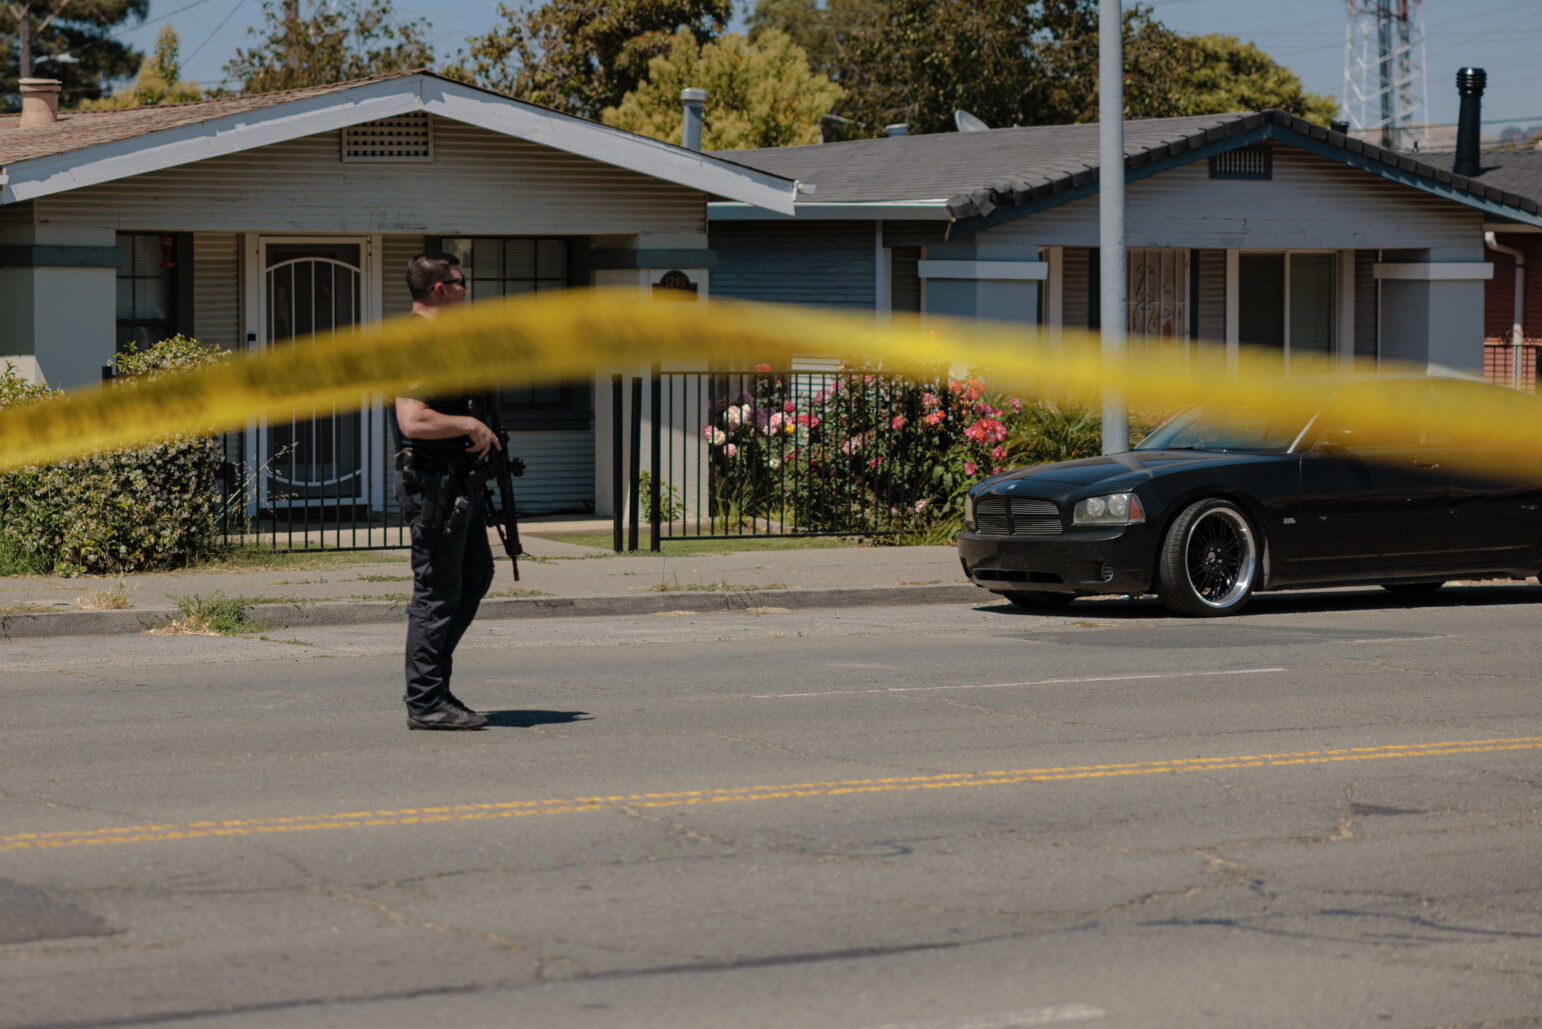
[[734, 795]]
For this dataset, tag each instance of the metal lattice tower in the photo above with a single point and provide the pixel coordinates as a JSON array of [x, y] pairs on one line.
[[1385, 98]]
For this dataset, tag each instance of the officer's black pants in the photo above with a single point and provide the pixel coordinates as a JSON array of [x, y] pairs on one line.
[[450, 575]]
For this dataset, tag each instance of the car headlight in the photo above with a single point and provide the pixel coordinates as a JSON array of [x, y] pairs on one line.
[[1114, 509], [969, 511]]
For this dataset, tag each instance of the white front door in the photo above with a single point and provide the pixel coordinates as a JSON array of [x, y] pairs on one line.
[[315, 458]]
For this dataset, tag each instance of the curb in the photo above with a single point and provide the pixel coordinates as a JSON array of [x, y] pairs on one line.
[[329, 613]]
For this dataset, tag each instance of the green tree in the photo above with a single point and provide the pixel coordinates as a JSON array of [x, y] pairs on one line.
[[1226, 74], [758, 94], [823, 31], [335, 42], [1036, 63], [159, 80], [582, 56], [69, 40]]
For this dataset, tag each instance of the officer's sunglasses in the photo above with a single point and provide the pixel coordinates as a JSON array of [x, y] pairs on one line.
[[457, 281]]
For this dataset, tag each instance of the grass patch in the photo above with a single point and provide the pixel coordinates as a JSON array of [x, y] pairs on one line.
[[216, 615], [516, 591], [394, 598], [380, 578], [115, 599], [250, 558], [689, 547], [25, 608], [713, 587]]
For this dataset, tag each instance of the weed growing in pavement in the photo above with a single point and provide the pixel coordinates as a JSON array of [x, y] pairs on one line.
[[216, 615], [115, 599], [516, 591], [379, 578], [713, 587], [25, 608], [394, 598]]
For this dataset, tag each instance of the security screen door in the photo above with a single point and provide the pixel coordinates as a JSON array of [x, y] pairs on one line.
[[314, 458]]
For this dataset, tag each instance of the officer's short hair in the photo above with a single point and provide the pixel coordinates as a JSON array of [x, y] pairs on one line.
[[428, 268]]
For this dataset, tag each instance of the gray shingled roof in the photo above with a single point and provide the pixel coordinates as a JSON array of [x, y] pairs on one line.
[[1514, 171], [979, 172], [76, 130]]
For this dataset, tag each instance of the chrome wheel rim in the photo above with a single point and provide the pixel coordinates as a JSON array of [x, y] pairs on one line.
[[1219, 555]]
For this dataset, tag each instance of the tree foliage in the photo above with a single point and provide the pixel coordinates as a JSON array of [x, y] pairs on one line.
[[1226, 74], [582, 56], [159, 80], [1020, 63], [78, 30], [334, 42], [758, 94]]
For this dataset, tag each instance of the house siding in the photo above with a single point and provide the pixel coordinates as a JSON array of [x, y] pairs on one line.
[[829, 266], [1210, 304], [1310, 203], [1367, 307], [217, 289], [480, 182], [1499, 311]]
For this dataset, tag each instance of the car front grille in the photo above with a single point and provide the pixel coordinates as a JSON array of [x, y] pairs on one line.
[[1016, 516]]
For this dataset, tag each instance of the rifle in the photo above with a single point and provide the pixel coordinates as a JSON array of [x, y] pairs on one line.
[[498, 466]]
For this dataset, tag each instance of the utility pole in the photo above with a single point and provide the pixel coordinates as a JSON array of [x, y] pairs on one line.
[[1116, 419]]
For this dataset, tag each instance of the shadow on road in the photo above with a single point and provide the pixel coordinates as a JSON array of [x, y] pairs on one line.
[[1371, 599], [525, 719]]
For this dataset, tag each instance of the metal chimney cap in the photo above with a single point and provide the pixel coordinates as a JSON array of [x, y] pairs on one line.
[[1470, 81], [692, 95]]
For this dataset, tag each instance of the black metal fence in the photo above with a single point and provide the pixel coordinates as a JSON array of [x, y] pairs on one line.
[[770, 453]]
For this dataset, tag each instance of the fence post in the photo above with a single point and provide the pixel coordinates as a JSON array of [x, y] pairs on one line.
[[631, 503], [618, 432], [653, 480]]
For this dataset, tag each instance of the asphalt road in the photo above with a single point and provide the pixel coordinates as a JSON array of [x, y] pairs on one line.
[[1323, 813]]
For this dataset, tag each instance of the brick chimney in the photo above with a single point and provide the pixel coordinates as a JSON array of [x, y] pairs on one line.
[[39, 102]]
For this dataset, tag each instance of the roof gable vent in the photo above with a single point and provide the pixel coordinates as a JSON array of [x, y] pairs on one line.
[[404, 139], [1249, 162]]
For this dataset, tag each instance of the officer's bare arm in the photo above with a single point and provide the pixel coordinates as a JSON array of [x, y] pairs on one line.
[[419, 421]]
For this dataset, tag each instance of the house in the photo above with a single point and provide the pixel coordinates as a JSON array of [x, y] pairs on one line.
[[1512, 312], [1258, 229], [250, 220]]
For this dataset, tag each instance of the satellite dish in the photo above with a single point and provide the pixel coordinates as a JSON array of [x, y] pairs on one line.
[[967, 122]]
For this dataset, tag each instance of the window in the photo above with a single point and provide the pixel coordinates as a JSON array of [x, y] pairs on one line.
[[147, 288], [503, 266], [1158, 295], [1249, 162], [1288, 303]]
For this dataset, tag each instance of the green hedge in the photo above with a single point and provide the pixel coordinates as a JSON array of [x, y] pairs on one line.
[[149, 507]]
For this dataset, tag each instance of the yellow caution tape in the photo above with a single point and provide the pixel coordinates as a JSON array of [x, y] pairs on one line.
[[562, 337]]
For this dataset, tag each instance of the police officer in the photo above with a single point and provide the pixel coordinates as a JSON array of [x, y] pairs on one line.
[[452, 564]]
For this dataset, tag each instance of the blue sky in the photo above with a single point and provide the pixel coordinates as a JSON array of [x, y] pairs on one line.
[[1503, 36]]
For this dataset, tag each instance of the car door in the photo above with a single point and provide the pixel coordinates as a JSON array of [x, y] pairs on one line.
[[1374, 497], [1495, 492]]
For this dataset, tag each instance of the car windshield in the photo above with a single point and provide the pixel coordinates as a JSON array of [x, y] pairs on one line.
[[1216, 427]]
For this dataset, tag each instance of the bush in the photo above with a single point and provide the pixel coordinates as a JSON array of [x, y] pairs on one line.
[[153, 506]]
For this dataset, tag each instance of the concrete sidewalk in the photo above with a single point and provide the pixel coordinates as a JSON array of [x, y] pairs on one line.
[[557, 578]]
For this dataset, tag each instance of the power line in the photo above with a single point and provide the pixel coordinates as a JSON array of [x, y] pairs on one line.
[[216, 30]]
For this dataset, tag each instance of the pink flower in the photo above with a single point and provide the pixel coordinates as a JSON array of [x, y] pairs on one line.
[[934, 418], [731, 450], [897, 422], [920, 506], [789, 407], [998, 453], [929, 399], [1017, 406], [874, 463], [969, 468]]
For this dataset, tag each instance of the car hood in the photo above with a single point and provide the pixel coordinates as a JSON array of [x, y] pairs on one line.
[[1115, 471]]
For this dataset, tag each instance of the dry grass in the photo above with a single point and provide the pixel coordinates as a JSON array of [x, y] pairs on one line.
[[115, 599]]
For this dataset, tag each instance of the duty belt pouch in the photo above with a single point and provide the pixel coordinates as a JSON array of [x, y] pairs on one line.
[[439, 486]]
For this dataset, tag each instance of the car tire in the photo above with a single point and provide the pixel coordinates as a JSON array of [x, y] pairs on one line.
[[1023, 598], [1210, 560], [1412, 588]]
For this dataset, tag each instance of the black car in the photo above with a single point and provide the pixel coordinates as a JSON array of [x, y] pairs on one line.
[[1222, 500]]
